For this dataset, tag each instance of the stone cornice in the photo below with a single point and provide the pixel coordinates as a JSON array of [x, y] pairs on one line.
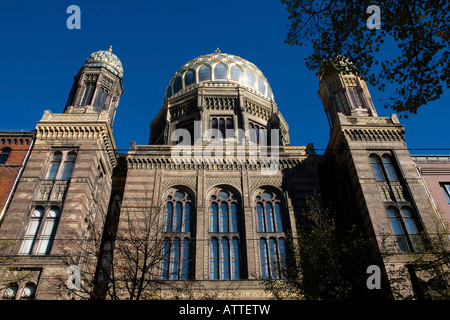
[[160, 157], [92, 126]]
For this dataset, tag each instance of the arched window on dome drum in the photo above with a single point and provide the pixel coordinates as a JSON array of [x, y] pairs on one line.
[[220, 71], [235, 73], [204, 73], [189, 78], [169, 91], [250, 78], [261, 85], [222, 125], [177, 85]]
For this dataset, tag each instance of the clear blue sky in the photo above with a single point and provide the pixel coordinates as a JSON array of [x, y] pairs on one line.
[[40, 56]]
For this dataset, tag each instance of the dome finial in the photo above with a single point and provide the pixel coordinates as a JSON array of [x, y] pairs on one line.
[[110, 49], [217, 50]]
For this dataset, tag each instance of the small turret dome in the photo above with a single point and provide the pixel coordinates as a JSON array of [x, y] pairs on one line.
[[105, 59]]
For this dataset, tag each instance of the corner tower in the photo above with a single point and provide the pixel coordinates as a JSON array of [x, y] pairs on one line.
[[375, 182], [63, 195]]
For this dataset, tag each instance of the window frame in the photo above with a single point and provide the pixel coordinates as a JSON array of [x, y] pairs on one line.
[[178, 227], [384, 168], [40, 232], [223, 124], [273, 257], [269, 221], [445, 186], [4, 155], [60, 174], [406, 239], [225, 240]]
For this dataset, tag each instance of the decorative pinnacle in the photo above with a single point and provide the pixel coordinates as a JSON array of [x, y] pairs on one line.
[[110, 49], [217, 50]]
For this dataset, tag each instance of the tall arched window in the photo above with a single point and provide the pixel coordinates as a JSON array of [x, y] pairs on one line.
[[269, 221], [48, 231], [225, 251], [177, 245], [44, 235], [405, 229], [61, 165], [178, 212], [268, 212], [68, 166], [390, 169], [383, 170], [4, 155], [54, 166], [32, 231]]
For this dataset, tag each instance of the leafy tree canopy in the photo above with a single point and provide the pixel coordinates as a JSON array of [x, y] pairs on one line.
[[417, 30]]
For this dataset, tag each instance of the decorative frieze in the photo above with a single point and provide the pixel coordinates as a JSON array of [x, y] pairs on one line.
[[360, 134], [220, 102]]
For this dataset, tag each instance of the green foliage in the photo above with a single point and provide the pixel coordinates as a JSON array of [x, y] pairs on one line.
[[330, 259], [418, 29]]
